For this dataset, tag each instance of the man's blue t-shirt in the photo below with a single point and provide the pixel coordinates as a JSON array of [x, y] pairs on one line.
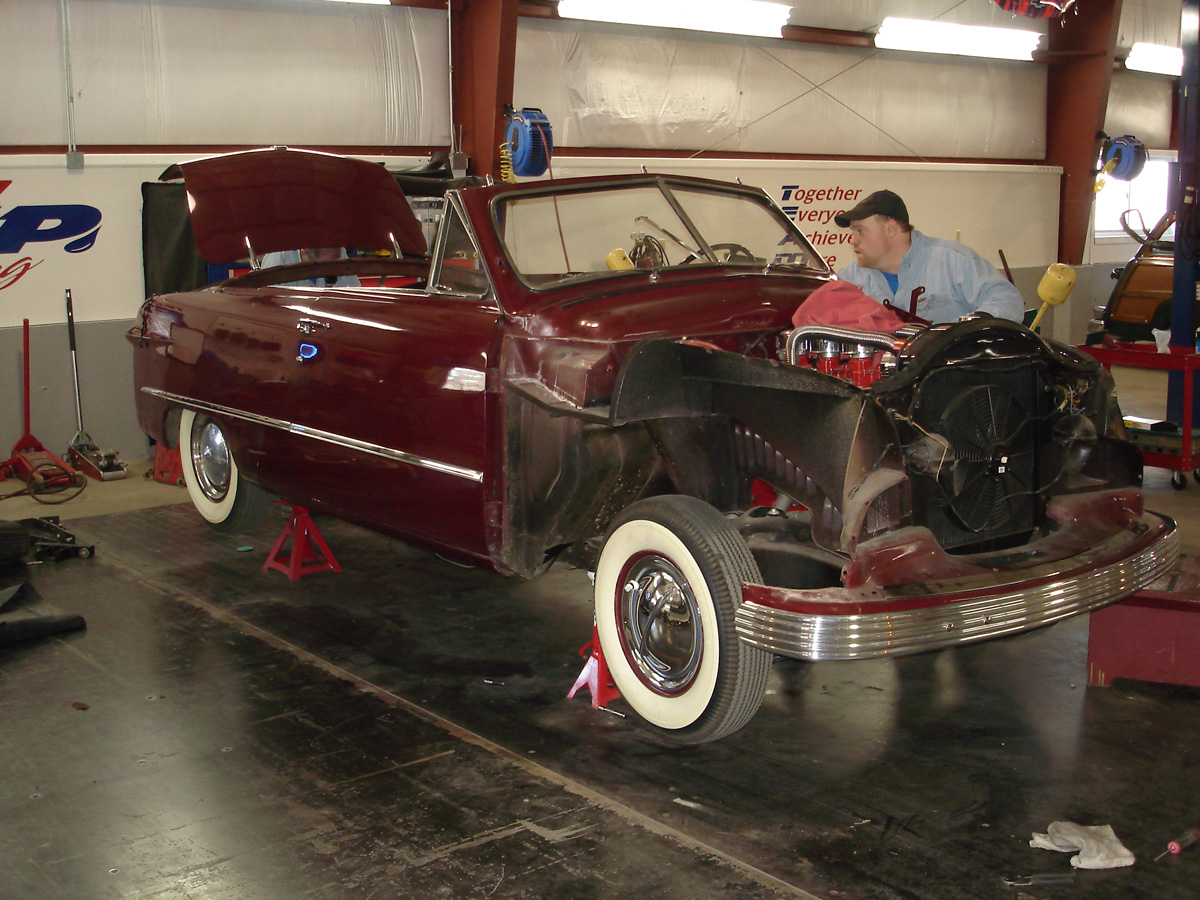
[[892, 280]]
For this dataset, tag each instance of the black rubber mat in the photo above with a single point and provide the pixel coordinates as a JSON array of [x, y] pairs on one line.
[[920, 778]]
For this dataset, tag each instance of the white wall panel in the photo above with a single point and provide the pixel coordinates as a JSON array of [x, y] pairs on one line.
[[608, 86], [226, 72]]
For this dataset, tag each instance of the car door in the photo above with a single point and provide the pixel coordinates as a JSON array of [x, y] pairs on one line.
[[390, 409]]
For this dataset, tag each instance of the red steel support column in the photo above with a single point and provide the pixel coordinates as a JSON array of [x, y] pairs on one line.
[[1081, 51], [483, 50]]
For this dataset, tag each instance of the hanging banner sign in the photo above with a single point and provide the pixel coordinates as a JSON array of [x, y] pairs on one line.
[[989, 207], [28, 233], [77, 229], [80, 229]]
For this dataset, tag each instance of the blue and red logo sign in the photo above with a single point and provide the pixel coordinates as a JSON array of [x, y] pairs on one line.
[[73, 225]]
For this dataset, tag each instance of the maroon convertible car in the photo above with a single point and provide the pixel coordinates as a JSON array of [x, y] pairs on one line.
[[598, 371]]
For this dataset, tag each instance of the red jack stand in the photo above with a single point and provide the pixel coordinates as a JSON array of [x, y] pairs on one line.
[[305, 540], [595, 675]]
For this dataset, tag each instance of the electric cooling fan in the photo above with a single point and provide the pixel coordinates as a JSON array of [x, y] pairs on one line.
[[532, 142], [993, 444]]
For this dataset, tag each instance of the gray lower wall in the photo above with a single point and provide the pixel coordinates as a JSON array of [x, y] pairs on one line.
[[105, 380]]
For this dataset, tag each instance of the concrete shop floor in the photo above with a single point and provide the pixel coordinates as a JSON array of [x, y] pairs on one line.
[[400, 730]]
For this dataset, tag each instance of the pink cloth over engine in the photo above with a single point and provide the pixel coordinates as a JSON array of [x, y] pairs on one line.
[[842, 304]]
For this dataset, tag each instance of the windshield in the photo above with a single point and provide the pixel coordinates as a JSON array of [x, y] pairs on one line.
[[552, 238]]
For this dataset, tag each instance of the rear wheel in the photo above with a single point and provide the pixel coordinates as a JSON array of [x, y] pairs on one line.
[[668, 583], [217, 489]]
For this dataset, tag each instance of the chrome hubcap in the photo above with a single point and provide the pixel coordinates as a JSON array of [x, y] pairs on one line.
[[210, 460], [660, 624]]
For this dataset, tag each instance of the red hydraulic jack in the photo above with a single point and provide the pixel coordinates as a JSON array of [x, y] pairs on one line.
[[31, 462], [595, 675], [309, 553]]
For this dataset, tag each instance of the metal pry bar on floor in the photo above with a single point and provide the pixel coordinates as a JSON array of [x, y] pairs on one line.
[[83, 452]]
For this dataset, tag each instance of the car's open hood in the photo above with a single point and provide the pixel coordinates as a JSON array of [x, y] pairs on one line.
[[283, 199]]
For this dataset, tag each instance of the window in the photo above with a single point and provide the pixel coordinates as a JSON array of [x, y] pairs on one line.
[[614, 230], [460, 270], [1149, 194]]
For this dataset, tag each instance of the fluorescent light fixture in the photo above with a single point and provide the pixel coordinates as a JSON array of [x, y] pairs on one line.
[[1157, 58], [959, 40], [758, 18], [376, 2]]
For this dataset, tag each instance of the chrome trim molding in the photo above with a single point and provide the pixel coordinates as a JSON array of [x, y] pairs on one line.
[[317, 435], [823, 637]]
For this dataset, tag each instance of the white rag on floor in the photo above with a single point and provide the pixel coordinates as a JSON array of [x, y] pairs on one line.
[[1097, 845]]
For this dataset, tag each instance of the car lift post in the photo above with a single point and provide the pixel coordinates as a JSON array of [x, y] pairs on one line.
[[1184, 199]]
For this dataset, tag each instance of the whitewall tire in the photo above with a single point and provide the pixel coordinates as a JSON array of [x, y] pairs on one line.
[[668, 583], [226, 500]]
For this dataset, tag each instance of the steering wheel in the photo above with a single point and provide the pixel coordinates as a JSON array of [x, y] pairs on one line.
[[727, 253], [648, 253]]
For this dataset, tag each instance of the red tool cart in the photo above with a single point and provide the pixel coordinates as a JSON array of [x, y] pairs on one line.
[[1161, 449]]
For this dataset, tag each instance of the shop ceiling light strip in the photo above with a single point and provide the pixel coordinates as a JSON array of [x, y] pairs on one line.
[[1158, 58], [959, 40], [757, 18]]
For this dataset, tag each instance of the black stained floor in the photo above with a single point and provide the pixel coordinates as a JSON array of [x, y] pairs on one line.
[[401, 729]]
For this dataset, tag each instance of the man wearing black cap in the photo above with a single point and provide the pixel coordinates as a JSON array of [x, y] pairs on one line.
[[937, 280]]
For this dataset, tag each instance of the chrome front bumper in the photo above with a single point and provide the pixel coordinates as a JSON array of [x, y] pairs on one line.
[[807, 624]]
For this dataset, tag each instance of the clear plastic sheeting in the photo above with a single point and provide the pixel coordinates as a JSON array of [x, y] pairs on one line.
[[255, 72], [1150, 21], [611, 86], [1141, 105]]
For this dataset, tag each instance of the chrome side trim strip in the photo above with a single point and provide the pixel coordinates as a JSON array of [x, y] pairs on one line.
[[1009, 611], [318, 435]]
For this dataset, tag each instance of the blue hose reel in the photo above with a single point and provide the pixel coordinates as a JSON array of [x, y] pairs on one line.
[[532, 142], [1123, 157]]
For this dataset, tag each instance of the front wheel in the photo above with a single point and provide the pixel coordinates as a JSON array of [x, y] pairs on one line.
[[226, 500], [668, 583]]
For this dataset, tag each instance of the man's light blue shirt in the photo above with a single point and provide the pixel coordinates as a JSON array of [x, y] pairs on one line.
[[956, 282]]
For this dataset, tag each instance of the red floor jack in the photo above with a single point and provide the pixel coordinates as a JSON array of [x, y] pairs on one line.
[[83, 452], [44, 472]]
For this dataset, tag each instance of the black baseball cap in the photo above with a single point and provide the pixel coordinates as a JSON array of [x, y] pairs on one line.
[[880, 203]]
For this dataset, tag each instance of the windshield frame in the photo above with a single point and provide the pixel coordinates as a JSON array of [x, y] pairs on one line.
[[664, 183]]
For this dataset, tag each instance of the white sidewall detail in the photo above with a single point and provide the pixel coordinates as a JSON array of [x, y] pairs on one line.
[[215, 513], [680, 710]]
